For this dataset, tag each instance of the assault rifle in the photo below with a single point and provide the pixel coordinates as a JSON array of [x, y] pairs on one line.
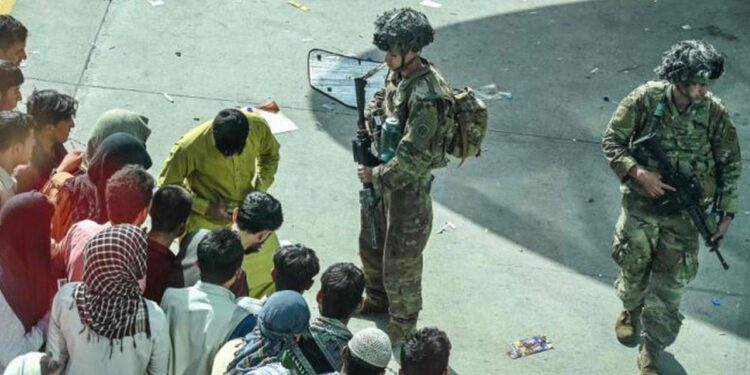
[[688, 192], [362, 151]]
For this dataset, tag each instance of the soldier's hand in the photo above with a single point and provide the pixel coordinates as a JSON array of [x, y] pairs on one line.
[[650, 181], [364, 174], [722, 230]]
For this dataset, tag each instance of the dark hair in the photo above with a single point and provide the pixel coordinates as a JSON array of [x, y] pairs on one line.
[[50, 107], [259, 211], [11, 31], [356, 366], [170, 208], [230, 129], [220, 255], [689, 60], [48, 365], [10, 76], [342, 285], [15, 127], [295, 267], [402, 29], [425, 352], [128, 192]]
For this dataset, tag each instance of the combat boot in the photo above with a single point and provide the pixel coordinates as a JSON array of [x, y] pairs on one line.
[[370, 307], [627, 327], [647, 361]]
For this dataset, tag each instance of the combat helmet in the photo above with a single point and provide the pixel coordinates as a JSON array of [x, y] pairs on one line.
[[402, 30], [691, 60]]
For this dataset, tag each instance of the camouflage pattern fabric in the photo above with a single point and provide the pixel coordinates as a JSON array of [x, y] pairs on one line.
[[393, 265], [702, 141], [419, 103], [658, 255]]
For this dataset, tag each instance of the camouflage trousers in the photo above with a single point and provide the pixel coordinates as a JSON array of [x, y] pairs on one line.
[[393, 264], [658, 257]]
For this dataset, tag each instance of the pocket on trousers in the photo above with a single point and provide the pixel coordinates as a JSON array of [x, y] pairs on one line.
[[619, 248]]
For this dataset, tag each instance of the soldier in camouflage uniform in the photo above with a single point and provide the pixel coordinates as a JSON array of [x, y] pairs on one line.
[[419, 98], [658, 253]]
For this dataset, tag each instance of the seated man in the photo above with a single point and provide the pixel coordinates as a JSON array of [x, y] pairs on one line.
[[128, 198], [255, 220], [170, 208], [425, 352], [11, 80], [295, 266], [217, 162], [12, 40], [367, 353], [16, 145], [201, 316], [341, 288], [53, 115], [103, 324]]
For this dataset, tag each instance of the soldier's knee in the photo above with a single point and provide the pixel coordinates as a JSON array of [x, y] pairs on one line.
[[633, 257]]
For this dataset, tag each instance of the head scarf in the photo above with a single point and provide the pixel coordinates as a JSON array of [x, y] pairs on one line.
[[25, 265], [109, 300], [284, 315], [27, 364], [87, 191], [117, 121]]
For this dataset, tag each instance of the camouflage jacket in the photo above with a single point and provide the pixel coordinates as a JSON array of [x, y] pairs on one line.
[[702, 141], [422, 104]]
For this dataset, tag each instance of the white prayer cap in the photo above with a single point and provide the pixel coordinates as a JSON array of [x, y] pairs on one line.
[[372, 346]]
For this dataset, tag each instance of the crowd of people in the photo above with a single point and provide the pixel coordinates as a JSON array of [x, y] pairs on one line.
[[85, 286]]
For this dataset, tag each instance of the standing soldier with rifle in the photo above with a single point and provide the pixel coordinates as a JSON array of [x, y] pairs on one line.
[[675, 150], [406, 125]]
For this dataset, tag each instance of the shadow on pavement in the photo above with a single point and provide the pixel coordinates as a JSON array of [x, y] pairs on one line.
[[542, 181], [670, 366]]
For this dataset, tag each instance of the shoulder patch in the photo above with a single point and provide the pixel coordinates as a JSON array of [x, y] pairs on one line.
[[422, 130]]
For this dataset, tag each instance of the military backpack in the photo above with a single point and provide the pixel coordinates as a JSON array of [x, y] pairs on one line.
[[469, 124]]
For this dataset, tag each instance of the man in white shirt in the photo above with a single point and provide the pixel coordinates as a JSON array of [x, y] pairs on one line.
[[202, 316], [16, 145]]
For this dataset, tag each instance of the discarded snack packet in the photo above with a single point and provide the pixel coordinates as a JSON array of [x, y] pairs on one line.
[[527, 347]]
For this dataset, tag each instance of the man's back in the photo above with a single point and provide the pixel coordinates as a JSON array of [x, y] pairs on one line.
[[200, 319]]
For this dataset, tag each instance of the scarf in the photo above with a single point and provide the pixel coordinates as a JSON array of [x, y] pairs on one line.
[[331, 335], [25, 265], [109, 299], [117, 121], [284, 315], [87, 190]]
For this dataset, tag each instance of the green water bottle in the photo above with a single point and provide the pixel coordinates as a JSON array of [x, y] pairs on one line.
[[390, 137]]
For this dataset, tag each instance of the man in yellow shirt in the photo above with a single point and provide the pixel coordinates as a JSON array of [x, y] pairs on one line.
[[220, 161]]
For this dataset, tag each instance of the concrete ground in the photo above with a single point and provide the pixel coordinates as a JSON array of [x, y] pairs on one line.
[[534, 215]]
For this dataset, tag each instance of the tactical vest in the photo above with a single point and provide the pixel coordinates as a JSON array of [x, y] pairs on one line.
[[685, 138], [428, 86]]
